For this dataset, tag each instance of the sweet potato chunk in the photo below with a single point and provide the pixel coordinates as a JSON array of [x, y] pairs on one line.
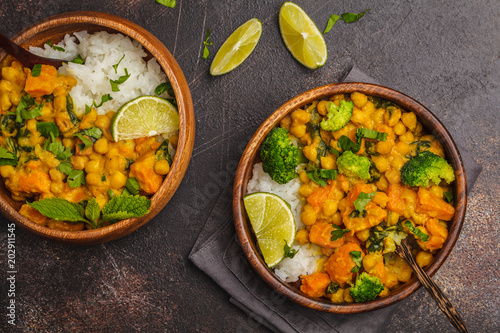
[[43, 84], [434, 206], [33, 214], [315, 284], [321, 234], [143, 170], [340, 264], [395, 203]]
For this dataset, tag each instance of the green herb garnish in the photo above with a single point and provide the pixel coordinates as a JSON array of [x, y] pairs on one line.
[[78, 60], [167, 3], [332, 288], [320, 176], [206, 43], [356, 257], [7, 157], [353, 17], [165, 86], [417, 232], [57, 148], [24, 109], [289, 252], [59, 209], [115, 66], [36, 71], [363, 200], [372, 134], [132, 185], [448, 196], [93, 132], [86, 142], [56, 48], [76, 178], [121, 79], [331, 22], [92, 212], [338, 232], [46, 128]]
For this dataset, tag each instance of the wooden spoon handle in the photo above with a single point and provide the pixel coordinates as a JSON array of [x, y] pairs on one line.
[[439, 297], [25, 57]]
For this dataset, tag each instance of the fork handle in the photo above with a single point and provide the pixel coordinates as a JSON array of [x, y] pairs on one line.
[[437, 294]]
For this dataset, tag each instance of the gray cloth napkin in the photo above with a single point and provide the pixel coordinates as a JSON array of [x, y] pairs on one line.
[[218, 253]]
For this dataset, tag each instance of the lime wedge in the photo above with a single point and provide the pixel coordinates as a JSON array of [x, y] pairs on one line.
[[237, 47], [301, 36], [144, 116], [272, 222]]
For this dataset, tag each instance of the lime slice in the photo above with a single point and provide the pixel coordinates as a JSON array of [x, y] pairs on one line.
[[301, 36], [237, 47], [272, 222], [144, 116]]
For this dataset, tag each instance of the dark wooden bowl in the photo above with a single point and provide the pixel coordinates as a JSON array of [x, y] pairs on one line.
[[54, 28], [250, 156]]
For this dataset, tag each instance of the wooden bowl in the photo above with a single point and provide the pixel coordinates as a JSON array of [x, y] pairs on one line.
[[54, 28], [250, 157]]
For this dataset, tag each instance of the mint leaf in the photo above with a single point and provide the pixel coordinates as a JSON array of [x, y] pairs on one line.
[[76, 178], [356, 257], [338, 232], [331, 22], [206, 43], [46, 128], [65, 167], [93, 211], [121, 79], [289, 252], [78, 60], [36, 71], [417, 232], [168, 3], [132, 185], [363, 200], [123, 207], [353, 17], [59, 209], [115, 66]]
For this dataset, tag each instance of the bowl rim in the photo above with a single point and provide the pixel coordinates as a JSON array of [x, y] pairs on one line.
[[244, 170], [184, 150]]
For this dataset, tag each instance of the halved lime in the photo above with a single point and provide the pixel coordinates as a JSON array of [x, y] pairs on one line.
[[144, 116], [237, 47], [272, 222], [301, 36]]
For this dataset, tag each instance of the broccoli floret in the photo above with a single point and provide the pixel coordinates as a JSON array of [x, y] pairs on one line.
[[424, 167], [338, 116], [279, 156], [366, 288], [354, 166]]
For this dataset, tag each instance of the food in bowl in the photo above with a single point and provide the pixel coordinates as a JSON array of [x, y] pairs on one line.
[[367, 175], [60, 155]]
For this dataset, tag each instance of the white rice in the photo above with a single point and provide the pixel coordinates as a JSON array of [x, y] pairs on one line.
[[308, 256], [100, 51]]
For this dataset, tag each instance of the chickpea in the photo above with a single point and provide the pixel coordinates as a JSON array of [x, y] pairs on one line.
[[93, 166], [162, 167], [56, 188], [31, 125], [298, 130], [393, 218], [397, 162], [381, 163], [302, 237], [337, 97], [116, 163], [407, 137], [384, 147], [399, 128], [79, 162], [424, 258], [101, 146], [391, 280], [330, 207], [7, 170], [402, 148], [102, 122], [342, 205], [370, 261], [393, 176], [300, 116], [328, 162], [347, 296], [409, 119], [118, 180], [336, 218], [392, 119], [359, 99], [310, 152], [93, 178], [56, 175], [382, 184], [338, 297], [306, 139], [369, 108], [418, 128], [303, 177], [321, 107], [378, 115], [305, 190], [308, 215], [384, 292], [286, 122], [437, 191], [68, 143], [363, 235], [404, 275], [380, 199]]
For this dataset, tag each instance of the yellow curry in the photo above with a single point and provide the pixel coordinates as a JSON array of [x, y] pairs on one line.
[[82, 161]]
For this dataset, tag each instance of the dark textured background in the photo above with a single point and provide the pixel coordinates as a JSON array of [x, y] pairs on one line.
[[446, 54]]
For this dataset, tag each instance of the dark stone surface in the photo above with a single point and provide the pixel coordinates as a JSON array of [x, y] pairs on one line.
[[445, 54]]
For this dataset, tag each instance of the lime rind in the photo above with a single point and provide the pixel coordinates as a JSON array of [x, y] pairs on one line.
[[301, 36], [273, 222], [237, 47], [144, 116]]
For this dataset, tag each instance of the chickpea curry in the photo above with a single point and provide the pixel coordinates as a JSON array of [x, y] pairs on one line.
[[47, 151], [369, 176]]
